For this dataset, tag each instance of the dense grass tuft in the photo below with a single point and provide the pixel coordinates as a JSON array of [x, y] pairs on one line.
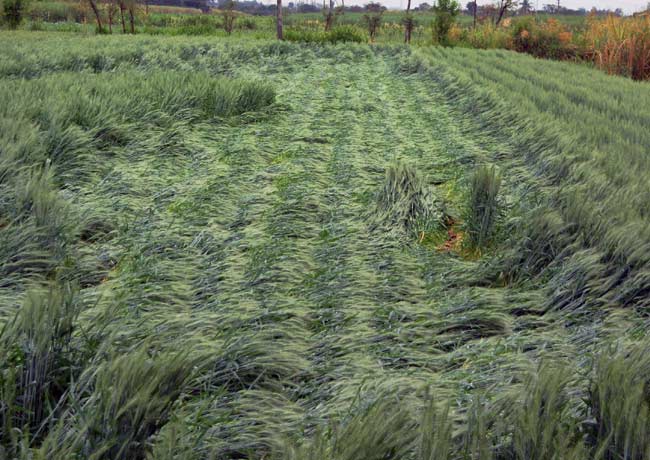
[[482, 207], [407, 202]]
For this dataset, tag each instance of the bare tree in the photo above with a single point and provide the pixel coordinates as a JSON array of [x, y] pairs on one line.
[[408, 23], [122, 6], [111, 9], [328, 12], [229, 17], [475, 12], [130, 6], [503, 7], [331, 12], [132, 16], [279, 20], [374, 12], [98, 18]]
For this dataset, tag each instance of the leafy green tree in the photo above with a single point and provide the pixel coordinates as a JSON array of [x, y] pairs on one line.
[[13, 11], [446, 12]]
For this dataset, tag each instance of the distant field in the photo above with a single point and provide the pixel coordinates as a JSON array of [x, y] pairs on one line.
[[259, 249], [75, 16]]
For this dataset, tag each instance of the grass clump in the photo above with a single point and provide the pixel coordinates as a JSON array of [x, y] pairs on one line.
[[382, 431], [37, 362], [483, 207], [406, 202], [619, 404], [339, 34]]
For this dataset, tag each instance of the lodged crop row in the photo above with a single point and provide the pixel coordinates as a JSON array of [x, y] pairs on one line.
[[274, 250]]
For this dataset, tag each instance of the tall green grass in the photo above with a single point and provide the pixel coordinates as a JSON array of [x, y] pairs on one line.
[[64, 386], [188, 273], [407, 202], [482, 207], [580, 140]]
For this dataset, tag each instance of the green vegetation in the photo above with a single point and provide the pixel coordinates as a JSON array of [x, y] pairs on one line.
[[482, 207], [446, 12], [335, 35], [13, 12], [263, 249]]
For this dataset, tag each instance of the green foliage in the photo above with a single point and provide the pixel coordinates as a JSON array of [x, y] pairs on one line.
[[544, 40], [482, 206], [446, 12], [542, 424], [229, 17], [53, 11], [13, 12], [338, 34], [67, 386], [347, 33]]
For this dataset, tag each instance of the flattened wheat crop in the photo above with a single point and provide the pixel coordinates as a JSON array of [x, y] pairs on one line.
[[275, 250]]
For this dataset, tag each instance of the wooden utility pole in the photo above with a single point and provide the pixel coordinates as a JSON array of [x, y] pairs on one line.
[[279, 19]]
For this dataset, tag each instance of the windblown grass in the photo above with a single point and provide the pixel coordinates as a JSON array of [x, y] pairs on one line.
[[482, 207], [196, 264], [407, 202]]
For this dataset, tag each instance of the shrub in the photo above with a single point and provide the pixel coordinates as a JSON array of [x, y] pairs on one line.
[[446, 13], [348, 33], [13, 11], [336, 35], [246, 23], [229, 17], [55, 11], [621, 45], [482, 206], [306, 36], [486, 36], [549, 39]]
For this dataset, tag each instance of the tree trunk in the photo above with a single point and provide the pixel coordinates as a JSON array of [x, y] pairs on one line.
[[279, 20], [122, 8], [502, 12], [475, 12], [329, 19], [93, 5], [132, 19], [407, 23]]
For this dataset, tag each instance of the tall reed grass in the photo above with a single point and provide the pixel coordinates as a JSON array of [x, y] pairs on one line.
[[621, 45]]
